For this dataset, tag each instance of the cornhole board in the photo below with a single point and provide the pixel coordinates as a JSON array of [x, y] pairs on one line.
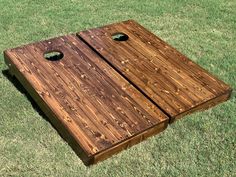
[[111, 87], [93, 107], [173, 82]]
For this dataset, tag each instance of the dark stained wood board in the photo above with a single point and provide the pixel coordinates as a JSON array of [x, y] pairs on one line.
[[177, 85], [90, 104], [105, 95]]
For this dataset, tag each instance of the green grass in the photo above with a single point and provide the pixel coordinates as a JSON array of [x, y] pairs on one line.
[[201, 144]]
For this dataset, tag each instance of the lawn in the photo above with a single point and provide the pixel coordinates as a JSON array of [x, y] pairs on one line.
[[201, 144]]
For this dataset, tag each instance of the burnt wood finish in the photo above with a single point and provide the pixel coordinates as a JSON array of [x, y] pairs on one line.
[[109, 88], [174, 83], [91, 105]]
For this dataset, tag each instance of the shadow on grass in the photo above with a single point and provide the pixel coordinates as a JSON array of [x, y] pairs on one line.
[[20, 88], [63, 133]]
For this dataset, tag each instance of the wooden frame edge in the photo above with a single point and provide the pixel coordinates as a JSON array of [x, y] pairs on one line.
[[130, 142], [206, 105]]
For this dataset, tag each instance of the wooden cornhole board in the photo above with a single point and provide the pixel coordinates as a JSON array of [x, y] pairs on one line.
[[113, 87]]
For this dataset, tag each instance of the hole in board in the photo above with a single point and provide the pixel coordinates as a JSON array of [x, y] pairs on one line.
[[53, 55], [120, 37]]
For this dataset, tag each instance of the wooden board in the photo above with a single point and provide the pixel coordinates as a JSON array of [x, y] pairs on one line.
[[91, 105], [174, 83], [111, 87]]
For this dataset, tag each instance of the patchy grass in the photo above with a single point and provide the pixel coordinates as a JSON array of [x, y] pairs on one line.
[[202, 144]]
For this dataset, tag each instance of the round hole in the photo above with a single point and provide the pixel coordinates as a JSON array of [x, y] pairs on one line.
[[120, 37], [53, 55]]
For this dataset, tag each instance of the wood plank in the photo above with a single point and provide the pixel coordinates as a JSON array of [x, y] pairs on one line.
[[173, 82], [91, 105]]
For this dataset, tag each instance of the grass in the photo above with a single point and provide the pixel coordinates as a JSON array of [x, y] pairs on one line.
[[201, 144]]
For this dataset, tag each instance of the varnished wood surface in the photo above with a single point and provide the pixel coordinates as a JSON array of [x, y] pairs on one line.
[[88, 102], [106, 95], [175, 83]]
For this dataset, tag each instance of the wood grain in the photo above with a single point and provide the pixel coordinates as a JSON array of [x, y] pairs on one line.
[[108, 93], [174, 83], [91, 105]]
